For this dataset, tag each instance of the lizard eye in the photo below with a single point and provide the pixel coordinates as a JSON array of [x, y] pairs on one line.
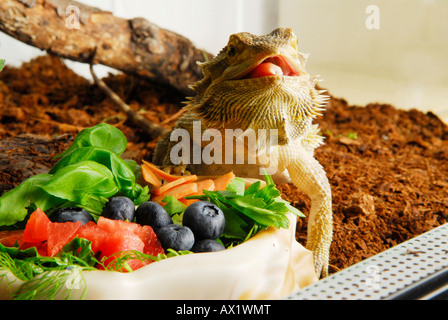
[[231, 51]]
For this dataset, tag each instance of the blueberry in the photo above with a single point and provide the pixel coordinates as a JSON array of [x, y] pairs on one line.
[[72, 214], [176, 237], [152, 214], [207, 245], [205, 219], [119, 208]]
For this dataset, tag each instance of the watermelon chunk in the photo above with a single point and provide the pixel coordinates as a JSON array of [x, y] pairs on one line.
[[149, 238], [109, 237], [112, 226], [112, 237], [59, 234], [10, 238], [36, 229], [90, 231], [118, 242]]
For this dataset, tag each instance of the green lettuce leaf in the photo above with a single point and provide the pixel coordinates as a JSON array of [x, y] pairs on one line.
[[101, 135]]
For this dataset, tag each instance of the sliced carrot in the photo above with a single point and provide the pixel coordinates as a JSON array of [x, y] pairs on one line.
[[159, 172], [150, 177], [167, 186], [178, 192], [207, 184], [187, 202], [222, 181]]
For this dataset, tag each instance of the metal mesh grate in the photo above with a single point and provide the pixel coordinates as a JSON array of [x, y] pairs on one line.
[[415, 269]]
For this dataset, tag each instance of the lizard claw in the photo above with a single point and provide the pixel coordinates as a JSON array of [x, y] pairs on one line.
[[321, 258]]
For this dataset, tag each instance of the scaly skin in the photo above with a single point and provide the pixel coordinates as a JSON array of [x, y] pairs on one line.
[[284, 103]]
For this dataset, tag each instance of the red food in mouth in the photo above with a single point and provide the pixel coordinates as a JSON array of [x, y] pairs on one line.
[[273, 66]]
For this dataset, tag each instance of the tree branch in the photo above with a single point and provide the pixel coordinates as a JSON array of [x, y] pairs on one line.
[[149, 127], [74, 31]]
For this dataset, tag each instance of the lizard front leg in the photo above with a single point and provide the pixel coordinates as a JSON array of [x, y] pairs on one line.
[[308, 175], [162, 157]]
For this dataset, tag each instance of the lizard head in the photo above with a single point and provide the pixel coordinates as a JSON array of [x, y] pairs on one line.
[[248, 56], [257, 82]]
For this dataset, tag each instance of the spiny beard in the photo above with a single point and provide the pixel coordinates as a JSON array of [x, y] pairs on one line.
[[287, 104]]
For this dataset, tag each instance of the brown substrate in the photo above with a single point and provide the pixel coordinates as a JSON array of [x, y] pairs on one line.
[[388, 168]]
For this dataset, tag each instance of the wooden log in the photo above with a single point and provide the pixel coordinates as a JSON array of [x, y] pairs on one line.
[[83, 33]]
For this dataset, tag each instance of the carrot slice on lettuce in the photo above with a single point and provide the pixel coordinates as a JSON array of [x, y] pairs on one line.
[[167, 186], [222, 181], [178, 192]]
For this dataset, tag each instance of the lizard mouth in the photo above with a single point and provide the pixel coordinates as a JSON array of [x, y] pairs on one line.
[[272, 66]]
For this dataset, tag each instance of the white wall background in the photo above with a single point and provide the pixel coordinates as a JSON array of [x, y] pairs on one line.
[[403, 62]]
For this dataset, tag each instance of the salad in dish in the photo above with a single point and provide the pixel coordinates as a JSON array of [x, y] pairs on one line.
[[96, 211]]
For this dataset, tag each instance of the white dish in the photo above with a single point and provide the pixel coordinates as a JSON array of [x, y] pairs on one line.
[[271, 265]]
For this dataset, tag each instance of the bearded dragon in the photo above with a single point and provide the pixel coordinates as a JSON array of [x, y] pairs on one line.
[[258, 85]]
